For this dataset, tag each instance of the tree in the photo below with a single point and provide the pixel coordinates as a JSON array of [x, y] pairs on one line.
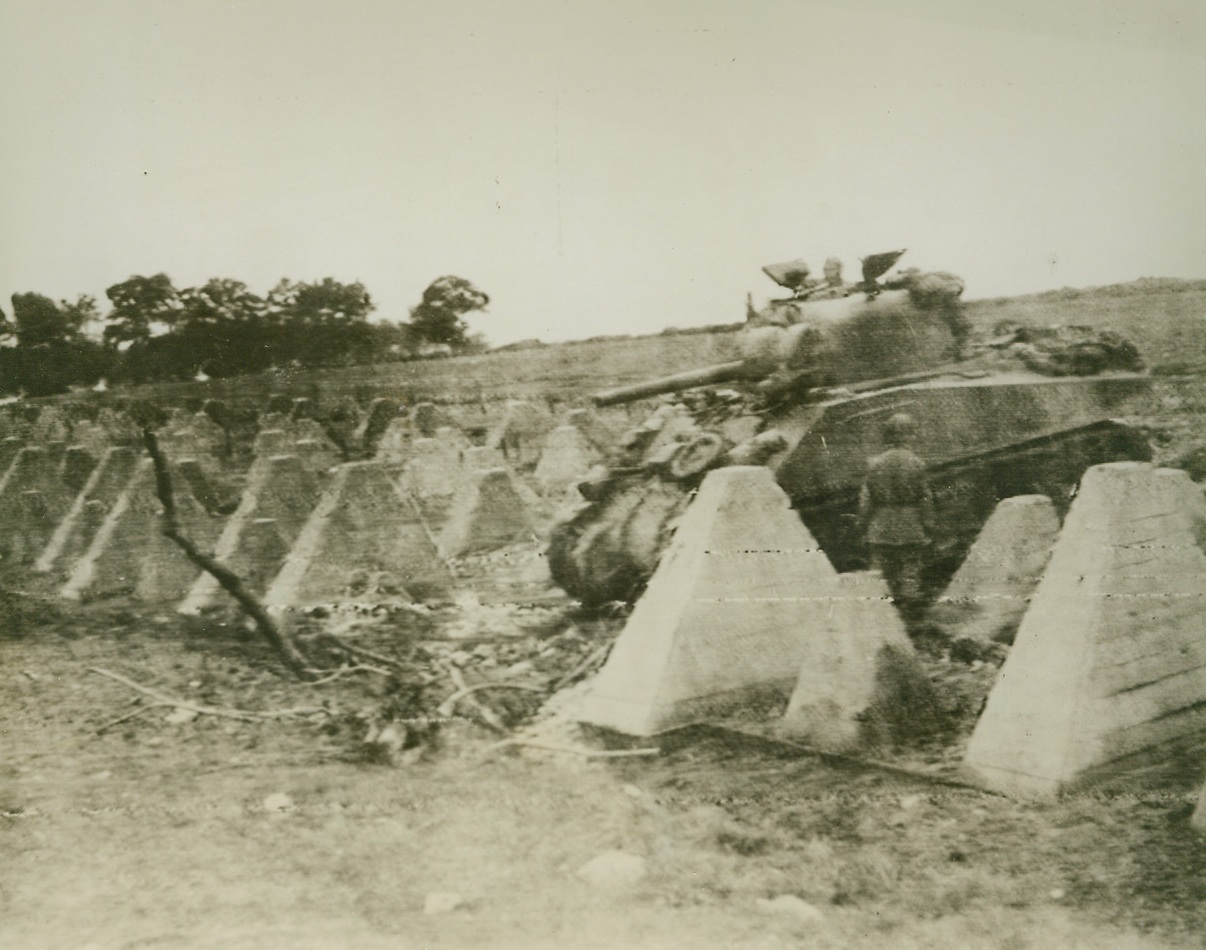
[[143, 307], [438, 318], [221, 328], [8, 329], [38, 320], [51, 353], [318, 323]]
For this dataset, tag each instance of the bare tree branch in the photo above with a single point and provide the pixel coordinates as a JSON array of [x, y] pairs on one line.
[[228, 579]]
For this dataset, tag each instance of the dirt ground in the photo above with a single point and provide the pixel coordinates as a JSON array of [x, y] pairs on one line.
[[165, 831], [282, 833]]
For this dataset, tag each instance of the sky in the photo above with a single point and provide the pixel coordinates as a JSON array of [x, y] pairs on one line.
[[602, 167]]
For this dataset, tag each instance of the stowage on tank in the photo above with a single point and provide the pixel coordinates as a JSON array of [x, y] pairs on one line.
[[1021, 412]]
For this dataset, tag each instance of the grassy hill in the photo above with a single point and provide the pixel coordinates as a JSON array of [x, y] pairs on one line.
[[1166, 318]]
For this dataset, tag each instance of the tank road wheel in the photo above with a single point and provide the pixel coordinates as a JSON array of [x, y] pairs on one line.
[[696, 456]]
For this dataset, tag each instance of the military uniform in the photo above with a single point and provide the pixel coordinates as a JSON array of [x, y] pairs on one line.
[[895, 512]]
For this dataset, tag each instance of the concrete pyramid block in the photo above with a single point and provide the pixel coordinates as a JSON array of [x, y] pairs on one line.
[[434, 469], [9, 449], [988, 595], [479, 458], [269, 442], [77, 465], [306, 428], [211, 435], [393, 446], [280, 490], [452, 437], [427, 418], [598, 433], [1197, 820], [381, 413], [129, 554], [120, 428], [93, 437], [317, 455], [164, 573], [28, 529], [35, 469], [520, 434], [725, 619], [51, 425], [1108, 669], [566, 459], [862, 685], [74, 533], [274, 419], [364, 542], [488, 514]]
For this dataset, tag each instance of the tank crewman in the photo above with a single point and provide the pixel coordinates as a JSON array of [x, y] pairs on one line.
[[832, 288], [896, 513]]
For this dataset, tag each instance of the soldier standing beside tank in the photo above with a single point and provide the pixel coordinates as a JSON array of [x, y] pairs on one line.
[[895, 511]]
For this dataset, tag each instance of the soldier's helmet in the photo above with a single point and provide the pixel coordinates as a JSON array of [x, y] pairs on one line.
[[900, 429]]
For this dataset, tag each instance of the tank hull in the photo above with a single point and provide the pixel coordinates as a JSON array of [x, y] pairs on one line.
[[983, 438]]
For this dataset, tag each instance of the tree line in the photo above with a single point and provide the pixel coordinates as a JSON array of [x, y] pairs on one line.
[[153, 331]]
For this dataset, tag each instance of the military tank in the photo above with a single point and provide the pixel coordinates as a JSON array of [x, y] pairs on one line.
[[1021, 412]]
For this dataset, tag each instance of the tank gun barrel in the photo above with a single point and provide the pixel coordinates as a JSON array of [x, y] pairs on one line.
[[708, 375]]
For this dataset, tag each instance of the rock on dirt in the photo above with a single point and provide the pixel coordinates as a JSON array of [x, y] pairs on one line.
[[788, 905], [613, 870]]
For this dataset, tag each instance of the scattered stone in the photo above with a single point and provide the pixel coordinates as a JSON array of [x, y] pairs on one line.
[[788, 905], [278, 803], [613, 870]]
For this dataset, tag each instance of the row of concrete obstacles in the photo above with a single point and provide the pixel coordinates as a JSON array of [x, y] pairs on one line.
[[1107, 675], [302, 533]]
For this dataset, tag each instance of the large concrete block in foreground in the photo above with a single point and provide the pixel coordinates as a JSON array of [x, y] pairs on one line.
[[488, 513], [725, 619], [861, 684], [989, 593], [1108, 671], [364, 543]]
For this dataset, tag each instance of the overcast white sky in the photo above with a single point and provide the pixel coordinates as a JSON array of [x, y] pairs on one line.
[[600, 167]]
